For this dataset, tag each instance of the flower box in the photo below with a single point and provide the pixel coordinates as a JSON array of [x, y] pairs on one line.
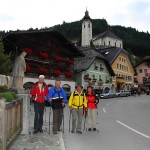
[[91, 83], [101, 69], [96, 68], [86, 76]]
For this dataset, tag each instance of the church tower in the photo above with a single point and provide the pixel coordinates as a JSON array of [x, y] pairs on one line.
[[86, 30]]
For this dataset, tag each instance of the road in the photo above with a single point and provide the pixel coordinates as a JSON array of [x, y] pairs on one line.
[[123, 124]]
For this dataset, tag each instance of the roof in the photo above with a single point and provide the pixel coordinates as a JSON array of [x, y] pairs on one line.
[[32, 37], [111, 53], [83, 63], [107, 33], [86, 16], [146, 59]]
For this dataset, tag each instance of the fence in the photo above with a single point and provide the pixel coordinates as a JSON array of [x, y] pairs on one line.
[[11, 115]]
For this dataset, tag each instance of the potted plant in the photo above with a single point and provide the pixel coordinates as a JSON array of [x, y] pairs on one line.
[[86, 76], [70, 61], [101, 69], [96, 68], [58, 58]]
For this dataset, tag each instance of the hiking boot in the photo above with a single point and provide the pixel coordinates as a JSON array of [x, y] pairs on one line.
[[54, 132], [72, 131], [89, 129], [79, 132], [59, 130], [41, 130], [35, 131], [94, 129]]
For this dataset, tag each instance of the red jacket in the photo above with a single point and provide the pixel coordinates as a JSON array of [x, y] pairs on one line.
[[91, 100], [38, 96]]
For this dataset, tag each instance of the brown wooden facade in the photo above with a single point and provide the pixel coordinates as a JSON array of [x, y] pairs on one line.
[[49, 53]]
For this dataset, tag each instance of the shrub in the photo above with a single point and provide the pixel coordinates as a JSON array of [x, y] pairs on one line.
[[9, 96], [3, 87]]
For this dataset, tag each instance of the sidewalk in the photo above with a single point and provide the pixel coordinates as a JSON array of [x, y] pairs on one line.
[[40, 141]]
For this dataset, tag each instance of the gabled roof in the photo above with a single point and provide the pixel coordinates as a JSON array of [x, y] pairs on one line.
[[83, 63], [33, 37], [111, 53], [107, 33], [146, 59]]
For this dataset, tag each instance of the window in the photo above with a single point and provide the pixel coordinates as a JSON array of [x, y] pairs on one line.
[[117, 65], [93, 76], [145, 70], [101, 66], [109, 42], [120, 58], [140, 70], [84, 25], [120, 45], [115, 44], [100, 77], [120, 66], [104, 43], [89, 25]]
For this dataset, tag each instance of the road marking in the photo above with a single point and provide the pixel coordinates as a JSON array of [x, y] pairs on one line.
[[140, 133], [109, 103], [104, 110]]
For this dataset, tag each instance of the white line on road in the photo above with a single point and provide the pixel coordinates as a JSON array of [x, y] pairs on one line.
[[104, 110], [146, 136]]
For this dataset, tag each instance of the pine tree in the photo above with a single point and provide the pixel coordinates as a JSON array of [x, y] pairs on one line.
[[5, 63]]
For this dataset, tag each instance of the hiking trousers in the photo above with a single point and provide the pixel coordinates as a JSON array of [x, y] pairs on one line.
[[57, 118], [77, 119], [39, 112], [91, 117]]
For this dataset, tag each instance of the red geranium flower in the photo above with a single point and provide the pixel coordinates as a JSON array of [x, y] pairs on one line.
[[69, 74], [43, 70], [28, 68], [70, 61], [57, 72], [27, 50], [58, 58], [44, 55]]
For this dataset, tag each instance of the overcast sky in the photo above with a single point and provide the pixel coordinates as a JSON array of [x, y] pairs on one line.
[[24, 14]]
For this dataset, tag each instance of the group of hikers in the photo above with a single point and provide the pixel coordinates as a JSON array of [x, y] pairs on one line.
[[80, 103]]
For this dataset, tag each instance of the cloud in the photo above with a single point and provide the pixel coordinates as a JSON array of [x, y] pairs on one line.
[[6, 18]]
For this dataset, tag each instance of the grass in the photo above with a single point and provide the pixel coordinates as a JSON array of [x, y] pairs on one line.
[[9, 96]]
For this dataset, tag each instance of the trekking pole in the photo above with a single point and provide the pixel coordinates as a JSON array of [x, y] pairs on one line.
[[63, 120], [85, 119], [49, 118], [45, 119], [70, 119]]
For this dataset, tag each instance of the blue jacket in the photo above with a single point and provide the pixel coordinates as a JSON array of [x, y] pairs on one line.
[[53, 93]]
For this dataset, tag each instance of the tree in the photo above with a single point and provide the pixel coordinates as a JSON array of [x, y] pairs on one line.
[[5, 63]]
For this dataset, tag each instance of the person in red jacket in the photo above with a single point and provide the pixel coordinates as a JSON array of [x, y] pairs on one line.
[[38, 94], [92, 102]]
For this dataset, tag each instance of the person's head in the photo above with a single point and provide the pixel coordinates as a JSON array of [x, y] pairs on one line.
[[79, 88], [89, 89], [57, 84], [41, 78], [23, 54]]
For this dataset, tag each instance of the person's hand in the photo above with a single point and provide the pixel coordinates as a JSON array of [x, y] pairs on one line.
[[50, 99], [63, 104]]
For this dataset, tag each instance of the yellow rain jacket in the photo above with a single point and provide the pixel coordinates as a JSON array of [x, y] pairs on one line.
[[77, 101]]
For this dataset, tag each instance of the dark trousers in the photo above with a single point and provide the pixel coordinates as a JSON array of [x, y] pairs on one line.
[[57, 118], [38, 119]]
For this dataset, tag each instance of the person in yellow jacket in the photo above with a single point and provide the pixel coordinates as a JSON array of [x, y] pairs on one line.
[[77, 102]]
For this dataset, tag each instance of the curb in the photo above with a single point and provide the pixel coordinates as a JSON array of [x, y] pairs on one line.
[[62, 145]]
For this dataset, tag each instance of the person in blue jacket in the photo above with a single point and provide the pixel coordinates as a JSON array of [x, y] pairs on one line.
[[57, 98]]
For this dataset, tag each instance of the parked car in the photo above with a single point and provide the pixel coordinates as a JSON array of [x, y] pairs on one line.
[[123, 93], [108, 94]]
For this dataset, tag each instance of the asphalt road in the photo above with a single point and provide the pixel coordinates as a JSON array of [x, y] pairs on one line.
[[123, 124]]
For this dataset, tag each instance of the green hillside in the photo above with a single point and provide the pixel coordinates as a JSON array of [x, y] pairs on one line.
[[134, 41]]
